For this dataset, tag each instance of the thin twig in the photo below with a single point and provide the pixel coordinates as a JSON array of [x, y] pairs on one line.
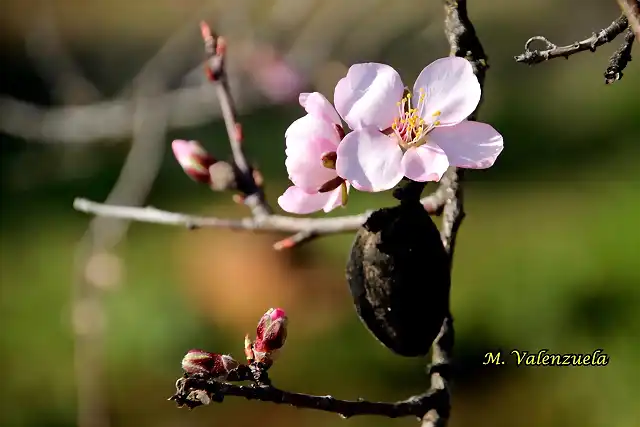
[[195, 391], [620, 58], [215, 49], [552, 51], [305, 229], [271, 223]]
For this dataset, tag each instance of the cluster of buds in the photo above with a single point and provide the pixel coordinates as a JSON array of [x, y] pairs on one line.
[[201, 166], [218, 366], [271, 334]]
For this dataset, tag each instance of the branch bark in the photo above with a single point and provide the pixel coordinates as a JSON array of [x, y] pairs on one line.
[[198, 390]]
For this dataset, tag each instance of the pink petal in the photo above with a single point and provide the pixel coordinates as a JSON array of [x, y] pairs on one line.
[[297, 201], [370, 160], [471, 145], [317, 105], [424, 163], [367, 96], [307, 139], [307, 126], [335, 199], [450, 88]]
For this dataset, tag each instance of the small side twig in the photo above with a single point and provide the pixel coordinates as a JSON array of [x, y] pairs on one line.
[[620, 58], [215, 49], [552, 51]]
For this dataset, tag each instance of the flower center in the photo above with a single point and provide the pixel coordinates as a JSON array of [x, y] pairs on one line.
[[329, 160], [409, 126]]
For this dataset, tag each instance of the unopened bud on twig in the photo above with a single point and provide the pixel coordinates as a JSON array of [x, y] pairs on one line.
[[271, 335], [202, 362], [194, 159]]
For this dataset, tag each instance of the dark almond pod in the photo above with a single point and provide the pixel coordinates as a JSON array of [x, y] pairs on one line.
[[399, 277]]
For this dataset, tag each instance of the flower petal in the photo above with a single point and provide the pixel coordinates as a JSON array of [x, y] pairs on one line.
[[308, 126], [297, 201], [424, 163], [450, 87], [335, 199], [307, 139], [370, 160], [368, 95], [317, 105], [471, 145]]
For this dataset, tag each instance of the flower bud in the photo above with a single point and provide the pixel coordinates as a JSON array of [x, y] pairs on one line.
[[272, 330], [271, 335], [398, 274], [203, 362], [194, 159]]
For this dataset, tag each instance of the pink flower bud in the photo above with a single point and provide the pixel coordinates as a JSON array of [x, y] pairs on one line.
[[194, 159], [203, 362], [271, 331]]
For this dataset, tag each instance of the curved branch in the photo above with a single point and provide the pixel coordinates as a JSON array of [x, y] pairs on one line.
[[552, 51]]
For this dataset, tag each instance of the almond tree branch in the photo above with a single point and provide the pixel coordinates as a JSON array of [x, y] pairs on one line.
[[215, 49], [464, 42], [552, 51], [197, 390], [305, 229]]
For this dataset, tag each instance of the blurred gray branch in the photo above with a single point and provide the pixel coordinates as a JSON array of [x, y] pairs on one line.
[[149, 126], [55, 63]]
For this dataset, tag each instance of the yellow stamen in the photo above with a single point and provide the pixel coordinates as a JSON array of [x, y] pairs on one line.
[[344, 193]]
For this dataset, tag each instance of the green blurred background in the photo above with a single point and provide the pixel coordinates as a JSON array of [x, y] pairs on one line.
[[546, 259]]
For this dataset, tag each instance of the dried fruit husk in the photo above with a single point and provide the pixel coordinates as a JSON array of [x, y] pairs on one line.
[[398, 274]]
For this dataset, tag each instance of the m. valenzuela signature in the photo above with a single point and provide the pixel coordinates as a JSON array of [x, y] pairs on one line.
[[544, 358]]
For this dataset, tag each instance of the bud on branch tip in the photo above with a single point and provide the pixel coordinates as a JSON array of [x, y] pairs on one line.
[[271, 334]]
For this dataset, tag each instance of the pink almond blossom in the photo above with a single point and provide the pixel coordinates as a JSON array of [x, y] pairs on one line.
[[311, 145], [417, 135]]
